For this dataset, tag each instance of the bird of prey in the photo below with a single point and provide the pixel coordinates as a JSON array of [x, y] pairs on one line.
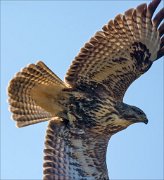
[[86, 109]]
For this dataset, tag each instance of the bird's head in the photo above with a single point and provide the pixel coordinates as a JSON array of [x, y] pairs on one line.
[[131, 114], [125, 116]]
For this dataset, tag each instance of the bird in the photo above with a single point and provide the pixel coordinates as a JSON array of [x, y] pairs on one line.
[[86, 109]]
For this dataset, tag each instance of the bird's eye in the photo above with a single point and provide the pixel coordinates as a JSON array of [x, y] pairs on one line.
[[139, 112]]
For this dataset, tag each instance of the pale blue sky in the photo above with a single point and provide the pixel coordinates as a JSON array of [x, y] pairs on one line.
[[54, 31]]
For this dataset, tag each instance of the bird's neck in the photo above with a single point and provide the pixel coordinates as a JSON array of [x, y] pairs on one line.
[[75, 156]]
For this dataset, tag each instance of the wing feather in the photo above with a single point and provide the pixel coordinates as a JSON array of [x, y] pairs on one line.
[[120, 53], [69, 155]]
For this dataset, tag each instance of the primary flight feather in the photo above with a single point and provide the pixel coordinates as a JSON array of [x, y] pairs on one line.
[[87, 109]]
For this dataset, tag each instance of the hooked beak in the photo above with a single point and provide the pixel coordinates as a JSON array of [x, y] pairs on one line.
[[145, 120], [142, 120]]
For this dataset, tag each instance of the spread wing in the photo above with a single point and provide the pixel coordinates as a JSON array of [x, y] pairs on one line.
[[74, 156], [121, 52]]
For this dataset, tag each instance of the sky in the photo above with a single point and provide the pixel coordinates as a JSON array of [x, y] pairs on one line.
[[54, 31]]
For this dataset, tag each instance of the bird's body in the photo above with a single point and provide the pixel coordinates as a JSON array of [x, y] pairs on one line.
[[87, 108]]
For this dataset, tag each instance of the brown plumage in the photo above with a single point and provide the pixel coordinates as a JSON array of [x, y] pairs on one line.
[[87, 109]]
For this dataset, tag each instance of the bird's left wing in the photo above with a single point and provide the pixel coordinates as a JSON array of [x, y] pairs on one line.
[[121, 52], [69, 155]]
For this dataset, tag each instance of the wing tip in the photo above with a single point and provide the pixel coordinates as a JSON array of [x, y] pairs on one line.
[[152, 7]]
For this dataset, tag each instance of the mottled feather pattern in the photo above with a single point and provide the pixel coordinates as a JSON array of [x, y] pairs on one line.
[[74, 156], [131, 33], [87, 109]]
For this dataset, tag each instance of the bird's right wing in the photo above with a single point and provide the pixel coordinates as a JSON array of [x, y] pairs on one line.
[[120, 53]]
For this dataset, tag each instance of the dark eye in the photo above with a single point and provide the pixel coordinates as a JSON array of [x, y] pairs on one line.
[[139, 112]]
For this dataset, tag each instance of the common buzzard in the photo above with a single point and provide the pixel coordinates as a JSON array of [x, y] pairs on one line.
[[86, 109]]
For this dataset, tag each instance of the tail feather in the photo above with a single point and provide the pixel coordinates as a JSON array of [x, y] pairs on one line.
[[50, 74], [34, 95]]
